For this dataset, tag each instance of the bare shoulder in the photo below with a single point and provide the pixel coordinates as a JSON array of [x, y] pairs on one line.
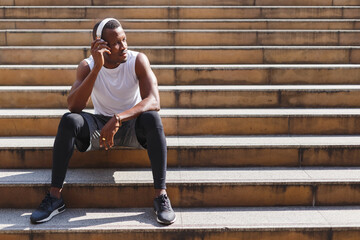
[[83, 66], [141, 59], [83, 70], [142, 64]]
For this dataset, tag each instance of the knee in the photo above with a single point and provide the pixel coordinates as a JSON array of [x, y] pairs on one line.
[[71, 121], [151, 119]]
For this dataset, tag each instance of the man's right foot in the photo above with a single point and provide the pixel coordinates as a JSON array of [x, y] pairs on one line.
[[49, 207]]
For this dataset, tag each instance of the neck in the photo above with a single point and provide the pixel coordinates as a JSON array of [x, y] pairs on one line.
[[111, 65]]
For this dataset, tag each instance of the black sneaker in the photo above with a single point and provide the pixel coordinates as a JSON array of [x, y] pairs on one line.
[[49, 207], [163, 210]]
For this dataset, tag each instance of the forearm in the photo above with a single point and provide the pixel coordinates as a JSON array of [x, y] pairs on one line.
[[79, 95], [147, 104]]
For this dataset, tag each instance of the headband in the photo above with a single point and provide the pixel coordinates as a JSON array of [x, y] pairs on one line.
[[102, 24]]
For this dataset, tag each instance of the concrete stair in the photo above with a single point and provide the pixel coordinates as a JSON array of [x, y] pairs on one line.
[[191, 37], [195, 54], [12, 55], [259, 104], [180, 2], [204, 96], [189, 151], [183, 12], [188, 187], [187, 122], [312, 24], [250, 74], [241, 223]]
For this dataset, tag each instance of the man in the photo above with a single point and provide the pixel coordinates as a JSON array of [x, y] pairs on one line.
[[124, 92]]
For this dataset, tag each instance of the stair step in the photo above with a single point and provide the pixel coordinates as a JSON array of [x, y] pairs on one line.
[[192, 55], [314, 24], [187, 187], [125, 2], [188, 37], [180, 12], [206, 96], [272, 223], [179, 2], [263, 157], [20, 122], [54, 75], [196, 151]]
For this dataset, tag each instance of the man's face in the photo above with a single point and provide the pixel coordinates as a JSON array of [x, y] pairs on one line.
[[116, 40]]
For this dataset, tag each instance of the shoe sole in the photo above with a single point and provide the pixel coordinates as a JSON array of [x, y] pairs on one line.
[[53, 214], [162, 222]]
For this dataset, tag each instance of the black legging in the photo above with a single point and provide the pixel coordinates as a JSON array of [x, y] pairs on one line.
[[73, 127]]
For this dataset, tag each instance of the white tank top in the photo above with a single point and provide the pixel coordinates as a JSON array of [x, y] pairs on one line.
[[115, 90]]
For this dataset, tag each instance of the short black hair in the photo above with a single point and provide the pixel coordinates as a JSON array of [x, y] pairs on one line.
[[112, 24]]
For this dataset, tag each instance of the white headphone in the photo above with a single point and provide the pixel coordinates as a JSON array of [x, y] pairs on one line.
[[102, 24]]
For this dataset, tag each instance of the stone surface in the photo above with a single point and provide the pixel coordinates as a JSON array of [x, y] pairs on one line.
[[186, 175], [205, 172], [315, 24], [242, 219]]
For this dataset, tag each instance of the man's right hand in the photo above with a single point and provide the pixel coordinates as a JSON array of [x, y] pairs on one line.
[[98, 47]]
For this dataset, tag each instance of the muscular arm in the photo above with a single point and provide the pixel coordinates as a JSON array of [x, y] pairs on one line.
[[82, 87], [85, 79], [148, 90]]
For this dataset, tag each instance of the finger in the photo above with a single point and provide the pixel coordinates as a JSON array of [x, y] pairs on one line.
[[104, 144], [98, 43], [99, 40], [95, 40], [94, 44], [102, 140], [111, 142], [102, 48], [107, 145], [106, 141], [105, 50]]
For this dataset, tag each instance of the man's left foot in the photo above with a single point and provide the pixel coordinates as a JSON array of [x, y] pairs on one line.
[[163, 210]]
